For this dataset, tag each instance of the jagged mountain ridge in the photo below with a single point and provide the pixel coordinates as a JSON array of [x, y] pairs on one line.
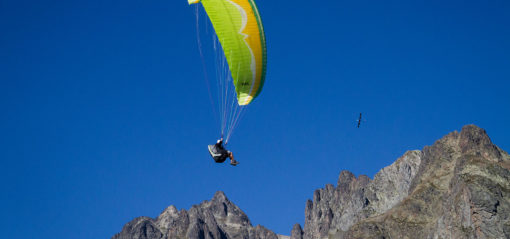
[[457, 188], [217, 218]]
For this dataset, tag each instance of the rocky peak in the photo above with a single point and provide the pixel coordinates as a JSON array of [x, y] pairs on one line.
[[220, 197], [296, 232], [218, 218], [474, 140], [472, 137], [344, 180]]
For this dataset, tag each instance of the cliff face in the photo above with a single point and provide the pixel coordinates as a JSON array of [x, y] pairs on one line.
[[457, 188], [334, 210]]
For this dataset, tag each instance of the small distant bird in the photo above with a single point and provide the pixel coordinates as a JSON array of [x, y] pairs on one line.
[[359, 120]]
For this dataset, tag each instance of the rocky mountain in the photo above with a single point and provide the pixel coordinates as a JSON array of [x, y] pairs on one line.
[[457, 188], [215, 219]]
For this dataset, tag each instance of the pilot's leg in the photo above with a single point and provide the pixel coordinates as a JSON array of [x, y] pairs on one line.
[[232, 160]]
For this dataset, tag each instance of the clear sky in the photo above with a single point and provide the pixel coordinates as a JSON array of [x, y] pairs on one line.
[[105, 114]]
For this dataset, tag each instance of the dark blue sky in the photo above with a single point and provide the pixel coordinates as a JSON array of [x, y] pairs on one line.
[[105, 114]]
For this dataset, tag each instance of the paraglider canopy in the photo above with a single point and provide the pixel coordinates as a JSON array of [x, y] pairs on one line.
[[239, 29]]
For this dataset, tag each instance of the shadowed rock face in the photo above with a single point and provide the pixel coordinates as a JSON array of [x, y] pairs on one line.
[[297, 232], [457, 188], [140, 228]]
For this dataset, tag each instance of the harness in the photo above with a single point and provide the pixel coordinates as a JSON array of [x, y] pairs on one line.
[[218, 154]]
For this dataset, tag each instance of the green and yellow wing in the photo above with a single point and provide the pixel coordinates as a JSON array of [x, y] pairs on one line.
[[239, 29]]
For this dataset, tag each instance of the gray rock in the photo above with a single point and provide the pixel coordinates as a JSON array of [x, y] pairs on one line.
[[297, 232], [334, 210], [140, 228]]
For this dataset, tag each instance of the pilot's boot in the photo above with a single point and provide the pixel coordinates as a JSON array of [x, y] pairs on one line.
[[233, 162]]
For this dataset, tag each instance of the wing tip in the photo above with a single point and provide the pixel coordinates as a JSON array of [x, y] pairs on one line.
[[245, 100]]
